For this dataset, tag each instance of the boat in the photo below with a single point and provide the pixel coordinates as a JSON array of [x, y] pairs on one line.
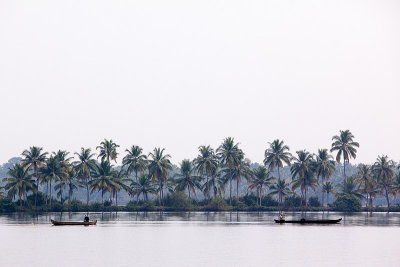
[[73, 223], [306, 221]]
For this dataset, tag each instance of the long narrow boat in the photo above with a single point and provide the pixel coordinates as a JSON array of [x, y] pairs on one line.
[[73, 223], [304, 221]]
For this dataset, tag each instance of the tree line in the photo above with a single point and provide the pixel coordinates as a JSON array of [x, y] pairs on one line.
[[214, 172]]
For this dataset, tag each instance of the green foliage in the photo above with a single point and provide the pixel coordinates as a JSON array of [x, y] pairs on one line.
[[6, 205], [292, 201], [314, 202], [148, 206], [178, 201], [347, 203], [268, 201], [218, 204], [95, 206], [250, 200]]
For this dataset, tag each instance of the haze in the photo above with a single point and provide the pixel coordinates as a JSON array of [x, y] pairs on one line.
[[179, 74]]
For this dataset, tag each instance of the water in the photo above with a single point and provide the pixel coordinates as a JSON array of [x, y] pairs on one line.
[[199, 239]]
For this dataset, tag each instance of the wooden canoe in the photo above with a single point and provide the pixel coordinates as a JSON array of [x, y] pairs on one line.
[[73, 223], [304, 221]]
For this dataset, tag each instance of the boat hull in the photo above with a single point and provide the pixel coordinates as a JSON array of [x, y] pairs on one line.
[[303, 221], [56, 223]]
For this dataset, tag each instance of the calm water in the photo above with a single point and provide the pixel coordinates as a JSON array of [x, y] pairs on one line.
[[199, 239]]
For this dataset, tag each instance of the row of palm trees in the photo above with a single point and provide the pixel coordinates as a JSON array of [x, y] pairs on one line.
[[211, 172]]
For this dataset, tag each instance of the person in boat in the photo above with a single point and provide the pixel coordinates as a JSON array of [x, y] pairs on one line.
[[281, 216], [86, 219]]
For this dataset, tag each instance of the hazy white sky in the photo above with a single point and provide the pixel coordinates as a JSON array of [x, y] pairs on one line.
[[179, 74]]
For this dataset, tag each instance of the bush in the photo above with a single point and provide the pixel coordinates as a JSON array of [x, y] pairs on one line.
[[250, 200], [107, 203], [40, 201], [95, 207], [6, 205], [77, 205], [347, 203], [56, 206], [148, 206], [314, 202], [217, 205], [268, 201], [178, 201], [292, 201]]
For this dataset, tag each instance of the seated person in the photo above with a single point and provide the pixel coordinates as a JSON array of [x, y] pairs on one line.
[[86, 219]]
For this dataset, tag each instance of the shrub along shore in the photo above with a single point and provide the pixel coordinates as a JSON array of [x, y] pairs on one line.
[[42, 181]]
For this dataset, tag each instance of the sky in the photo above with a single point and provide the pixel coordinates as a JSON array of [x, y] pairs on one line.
[[180, 74]]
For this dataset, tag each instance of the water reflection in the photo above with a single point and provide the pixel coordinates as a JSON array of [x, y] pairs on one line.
[[236, 218]]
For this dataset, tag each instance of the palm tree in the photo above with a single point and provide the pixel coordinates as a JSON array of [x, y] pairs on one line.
[[53, 171], [324, 167], [59, 188], [383, 171], [365, 180], [302, 173], [327, 188], [260, 178], [19, 182], [242, 169], [72, 183], [206, 164], [84, 168], [345, 147], [119, 183], [143, 186], [349, 186], [228, 153], [103, 179], [159, 167], [186, 179], [33, 159], [276, 155], [108, 150], [281, 188], [136, 162], [396, 185]]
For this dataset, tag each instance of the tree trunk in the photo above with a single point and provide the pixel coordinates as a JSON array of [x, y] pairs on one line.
[[344, 168], [137, 192], [87, 192], [20, 200], [160, 192], [116, 198], [102, 199], [37, 184], [69, 195], [387, 197], [230, 188], [261, 194], [188, 190], [208, 191], [237, 187], [50, 194]]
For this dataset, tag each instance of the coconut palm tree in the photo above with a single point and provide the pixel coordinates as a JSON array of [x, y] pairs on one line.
[[345, 147], [19, 182], [159, 167], [260, 180], [228, 153], [383, 172], [281, 188], [395, 190], [108, 150], [276, 155], [302, 173], [349, 186], [135, 161], [185, 178], [59, 188], [103, 179], [206, 164], [33, 159], [119, 183], [365, 180], [84, 167], [242, 169], [328, 188], [324, 167], [54, 170], [143, 186]]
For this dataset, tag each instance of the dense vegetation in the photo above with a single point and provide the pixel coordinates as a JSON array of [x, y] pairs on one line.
[[47, 181]]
